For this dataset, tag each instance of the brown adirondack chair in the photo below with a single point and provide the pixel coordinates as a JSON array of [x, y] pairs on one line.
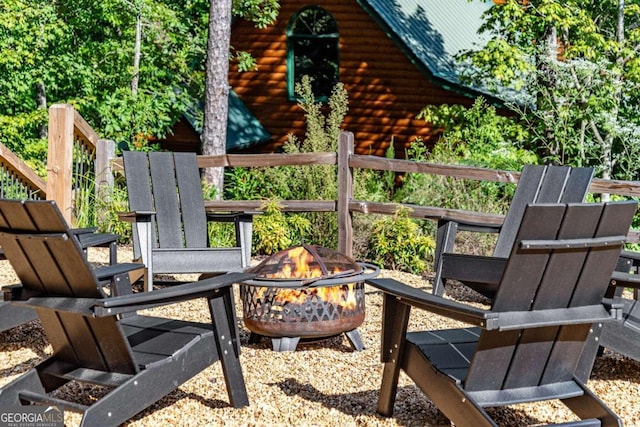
[[100, 340], [12, 316], [528, 345], [537, 184], [169, 219]]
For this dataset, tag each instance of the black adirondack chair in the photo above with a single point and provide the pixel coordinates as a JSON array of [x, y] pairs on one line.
[[528, 345], [169, 219], [624, 337], [537, 184], [12, 316], [102, 341]]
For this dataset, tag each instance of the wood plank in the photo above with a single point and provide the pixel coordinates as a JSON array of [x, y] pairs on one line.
[[194, 220], [165, 197], [23, 171]]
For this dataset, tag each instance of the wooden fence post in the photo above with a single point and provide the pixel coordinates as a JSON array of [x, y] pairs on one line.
[[105, 153], [345, 193], [60, 158]]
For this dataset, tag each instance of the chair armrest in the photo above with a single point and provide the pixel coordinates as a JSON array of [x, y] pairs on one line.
[[88, 240], [473, 226], [489, 320], [109, 271], [435, 304], [170, 295], [511, 320], [85, 230], [232, 216], [135, 216]]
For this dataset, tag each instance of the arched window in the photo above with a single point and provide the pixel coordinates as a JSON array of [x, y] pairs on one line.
[[312, 45]]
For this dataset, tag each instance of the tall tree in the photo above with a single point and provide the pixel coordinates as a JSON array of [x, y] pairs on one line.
[[86, 53], [214, 129]]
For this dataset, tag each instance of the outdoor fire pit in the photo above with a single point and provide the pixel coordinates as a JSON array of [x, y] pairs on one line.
[[305, 292]]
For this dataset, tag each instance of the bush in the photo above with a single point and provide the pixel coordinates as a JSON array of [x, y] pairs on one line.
[[274, 231], [397, 242]]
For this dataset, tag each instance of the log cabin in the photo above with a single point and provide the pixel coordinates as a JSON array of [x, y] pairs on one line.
[[394, 57]]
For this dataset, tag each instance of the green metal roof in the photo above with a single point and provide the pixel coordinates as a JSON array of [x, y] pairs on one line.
[[243, 128], [432, 32]]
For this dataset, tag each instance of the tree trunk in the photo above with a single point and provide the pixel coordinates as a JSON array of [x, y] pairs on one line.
[[41, 102], [607, 141], [136, 56], [214, 129]]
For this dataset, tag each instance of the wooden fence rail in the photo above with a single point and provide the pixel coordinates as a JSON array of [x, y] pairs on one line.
[[17, 179]]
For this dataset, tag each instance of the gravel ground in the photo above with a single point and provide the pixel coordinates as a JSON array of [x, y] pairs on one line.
[[324, 383]]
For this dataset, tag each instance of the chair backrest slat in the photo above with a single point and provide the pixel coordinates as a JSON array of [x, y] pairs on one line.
[[136, 165], [541, 184], [526, 192], [553, 184], [52, 265], [578, 185], [50, 262], [170, 185], [191, 201], [165, 197]]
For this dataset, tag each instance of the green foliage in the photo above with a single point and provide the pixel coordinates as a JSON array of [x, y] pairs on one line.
[[261, 13], [82, 52], [475, 136], [109, 206], [274, 231], [241, 184], [481, 137], [311, 182], [576, 67], [397, 242]]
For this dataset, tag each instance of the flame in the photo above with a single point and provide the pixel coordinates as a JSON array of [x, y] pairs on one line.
[[299, 263], [340, 295]]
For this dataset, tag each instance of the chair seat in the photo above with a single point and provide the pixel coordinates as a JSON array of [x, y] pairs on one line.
[[448, 350], [154, 339]]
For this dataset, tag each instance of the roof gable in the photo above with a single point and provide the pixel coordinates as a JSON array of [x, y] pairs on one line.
[[432, 32]]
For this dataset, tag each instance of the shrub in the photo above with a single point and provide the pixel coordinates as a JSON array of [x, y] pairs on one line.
[[274, 231], [397, 242], [108, 206], [305, 182]]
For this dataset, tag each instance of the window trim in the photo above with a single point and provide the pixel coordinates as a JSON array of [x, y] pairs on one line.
[[291, 74]]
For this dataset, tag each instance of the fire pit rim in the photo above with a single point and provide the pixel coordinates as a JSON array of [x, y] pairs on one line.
[[369, 271]]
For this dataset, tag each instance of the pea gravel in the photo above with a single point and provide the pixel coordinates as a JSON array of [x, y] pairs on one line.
[[324, 383]]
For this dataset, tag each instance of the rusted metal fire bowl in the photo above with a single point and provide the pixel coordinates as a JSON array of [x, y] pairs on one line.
[[306, 292]]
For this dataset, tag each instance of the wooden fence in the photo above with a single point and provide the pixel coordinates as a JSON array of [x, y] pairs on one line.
[[73, 142], [346, 161]]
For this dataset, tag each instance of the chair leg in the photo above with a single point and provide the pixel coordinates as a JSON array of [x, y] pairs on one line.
[[244, 233], [445, 240], [394, 328], [222, 311]]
